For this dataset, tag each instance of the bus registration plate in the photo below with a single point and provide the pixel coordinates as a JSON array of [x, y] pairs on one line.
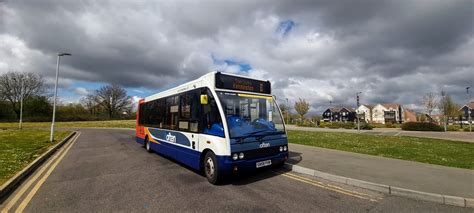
[[264, 163]]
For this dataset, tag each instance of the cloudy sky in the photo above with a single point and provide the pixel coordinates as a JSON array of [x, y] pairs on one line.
[[391, 51]]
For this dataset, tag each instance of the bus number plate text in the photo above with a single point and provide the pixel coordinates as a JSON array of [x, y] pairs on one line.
[[264, 163]]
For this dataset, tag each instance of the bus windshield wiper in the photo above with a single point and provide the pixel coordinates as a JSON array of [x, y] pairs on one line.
[[270, 133], [252, 134]]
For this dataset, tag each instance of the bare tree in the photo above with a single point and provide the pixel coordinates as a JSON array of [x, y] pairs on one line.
[[114, 99], [301, 107], [430, 101], [15, 86], [89, 103]]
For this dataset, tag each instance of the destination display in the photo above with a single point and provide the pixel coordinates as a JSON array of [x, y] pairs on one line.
[[242, 84]]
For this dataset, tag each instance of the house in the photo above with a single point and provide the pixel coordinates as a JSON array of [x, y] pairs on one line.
[[341, 114], [437, 118], [409, 116], [387, 113], [466, 109], [365, 112]]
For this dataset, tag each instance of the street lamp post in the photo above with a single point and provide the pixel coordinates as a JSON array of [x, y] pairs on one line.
[[51, 138]]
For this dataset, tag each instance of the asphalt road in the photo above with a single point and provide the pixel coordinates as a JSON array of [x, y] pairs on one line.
[[106, 171]]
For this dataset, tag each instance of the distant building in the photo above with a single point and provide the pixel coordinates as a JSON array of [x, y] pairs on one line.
[[409, 116], [365, 112], [387, 113], [466, 109], [438, 118], [339, 114]]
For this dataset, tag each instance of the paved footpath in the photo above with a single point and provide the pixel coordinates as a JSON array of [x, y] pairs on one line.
[[104, 170], [455, 136], [406, 174]]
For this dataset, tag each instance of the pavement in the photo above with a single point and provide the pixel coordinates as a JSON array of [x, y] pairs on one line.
[[454, 136], [393, 172], [104, 170]]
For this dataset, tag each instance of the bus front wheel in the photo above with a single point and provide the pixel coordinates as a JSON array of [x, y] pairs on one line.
[[211, 169], [147, 145]]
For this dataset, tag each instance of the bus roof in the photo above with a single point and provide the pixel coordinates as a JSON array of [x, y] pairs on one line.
[[207, 80]]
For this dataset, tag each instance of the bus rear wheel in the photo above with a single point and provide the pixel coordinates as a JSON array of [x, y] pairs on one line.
[[211, 169]]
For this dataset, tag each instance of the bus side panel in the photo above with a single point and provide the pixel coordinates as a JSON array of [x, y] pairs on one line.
[[182, 153]]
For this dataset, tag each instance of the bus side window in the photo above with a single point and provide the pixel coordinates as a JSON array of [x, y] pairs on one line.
[[212, 122]]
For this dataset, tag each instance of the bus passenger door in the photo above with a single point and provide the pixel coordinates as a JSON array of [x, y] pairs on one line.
[[140, 132]]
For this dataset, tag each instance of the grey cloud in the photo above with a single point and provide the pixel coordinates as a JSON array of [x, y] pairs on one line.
[[392, 51]]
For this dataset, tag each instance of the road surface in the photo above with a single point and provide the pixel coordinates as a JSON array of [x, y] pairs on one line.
[[106, 171]]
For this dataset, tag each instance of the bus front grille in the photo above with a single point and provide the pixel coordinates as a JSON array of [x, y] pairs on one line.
[[263, 152]]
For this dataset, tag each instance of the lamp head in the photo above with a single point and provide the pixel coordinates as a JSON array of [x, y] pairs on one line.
[[64, 54]]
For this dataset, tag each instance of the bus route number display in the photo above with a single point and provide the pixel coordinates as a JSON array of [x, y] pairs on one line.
[[242, 84]]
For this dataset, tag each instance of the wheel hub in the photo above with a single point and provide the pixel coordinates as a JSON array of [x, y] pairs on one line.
[[210, 167]]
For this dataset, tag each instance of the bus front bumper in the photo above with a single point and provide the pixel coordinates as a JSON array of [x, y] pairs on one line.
[[229, 166]]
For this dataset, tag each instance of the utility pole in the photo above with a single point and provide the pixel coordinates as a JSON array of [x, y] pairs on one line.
[[469, 108], [330, 111], [357, 113]]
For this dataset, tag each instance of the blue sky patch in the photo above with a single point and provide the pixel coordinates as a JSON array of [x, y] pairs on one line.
[[243, 66], [285, 27]]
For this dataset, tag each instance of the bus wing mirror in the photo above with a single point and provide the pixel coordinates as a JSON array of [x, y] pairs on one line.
[[204, 99]]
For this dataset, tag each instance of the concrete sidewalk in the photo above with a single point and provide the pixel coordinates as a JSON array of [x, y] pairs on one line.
[[400, 173], [455, 136]]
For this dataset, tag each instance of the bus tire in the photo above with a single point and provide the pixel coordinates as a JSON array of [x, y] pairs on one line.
[[147, 145], [211, 170]]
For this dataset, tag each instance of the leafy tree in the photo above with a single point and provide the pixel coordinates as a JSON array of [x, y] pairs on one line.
[[113, 99], [285, 110], [301, 107], [15, 86], [37, 108], [447, 106]]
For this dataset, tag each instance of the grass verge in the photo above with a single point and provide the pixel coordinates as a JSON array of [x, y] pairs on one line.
[[18, 148], [102, 124], [425, 150]]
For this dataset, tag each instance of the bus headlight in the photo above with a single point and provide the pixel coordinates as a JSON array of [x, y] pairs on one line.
[[285, 148], [281, 149], [241, 155], [235, 156]]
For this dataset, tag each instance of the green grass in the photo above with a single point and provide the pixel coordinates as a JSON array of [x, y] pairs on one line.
[[426, 150], [103, 124], [18, 148]]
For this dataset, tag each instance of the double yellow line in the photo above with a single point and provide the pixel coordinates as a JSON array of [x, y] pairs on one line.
[[331, 187], [51, 164]]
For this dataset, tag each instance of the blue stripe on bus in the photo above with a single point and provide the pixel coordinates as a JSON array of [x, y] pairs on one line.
[[165, 135], [191, 158]]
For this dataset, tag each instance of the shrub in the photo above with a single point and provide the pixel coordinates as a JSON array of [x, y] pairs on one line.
[[337, 125], [365, 126], [418, 126], [306, 123], [454, 128]]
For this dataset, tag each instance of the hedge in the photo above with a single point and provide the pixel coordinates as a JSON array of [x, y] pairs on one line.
[[418, 126]]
